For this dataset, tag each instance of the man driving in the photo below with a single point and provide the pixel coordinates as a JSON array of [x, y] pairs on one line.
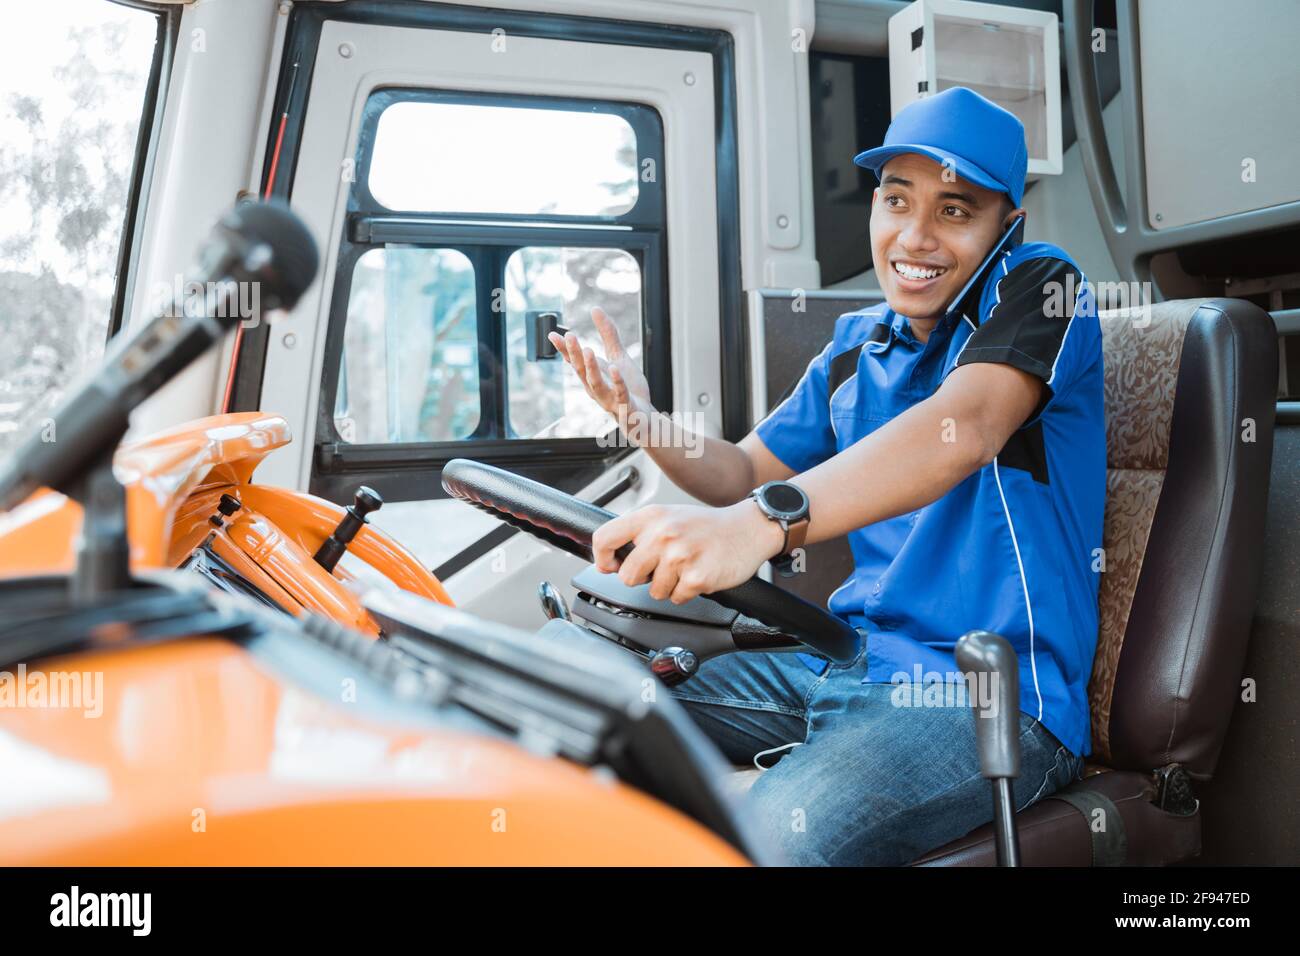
[[956, 437]]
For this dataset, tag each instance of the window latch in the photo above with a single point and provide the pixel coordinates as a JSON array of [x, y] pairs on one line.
[[538, 324]]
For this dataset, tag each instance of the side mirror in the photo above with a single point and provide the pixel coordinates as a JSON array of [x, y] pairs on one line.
[[538, 324]]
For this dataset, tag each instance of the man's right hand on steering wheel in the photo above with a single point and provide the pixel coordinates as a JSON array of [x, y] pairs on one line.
[[688, 550]]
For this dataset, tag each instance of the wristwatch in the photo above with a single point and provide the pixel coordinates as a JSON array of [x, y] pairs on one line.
[[787, 505]]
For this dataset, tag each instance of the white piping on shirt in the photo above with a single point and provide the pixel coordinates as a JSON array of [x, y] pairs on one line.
[[1033, 663], [852, 577], [997, 296], [1069, 325]]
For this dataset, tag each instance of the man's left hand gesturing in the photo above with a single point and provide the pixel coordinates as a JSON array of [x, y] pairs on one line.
[[688, 550]]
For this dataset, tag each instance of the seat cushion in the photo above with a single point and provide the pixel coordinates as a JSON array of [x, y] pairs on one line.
[[1053, 833]]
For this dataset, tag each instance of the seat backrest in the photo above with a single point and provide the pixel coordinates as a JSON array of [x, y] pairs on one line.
[[1191, 390]]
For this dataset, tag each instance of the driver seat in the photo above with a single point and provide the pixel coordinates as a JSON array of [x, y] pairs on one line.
[[1190, 399]]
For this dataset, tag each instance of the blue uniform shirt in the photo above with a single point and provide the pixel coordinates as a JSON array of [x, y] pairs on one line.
[[1015, 547]]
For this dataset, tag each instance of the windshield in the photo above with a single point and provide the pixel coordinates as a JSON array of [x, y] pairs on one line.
[[73, 82]]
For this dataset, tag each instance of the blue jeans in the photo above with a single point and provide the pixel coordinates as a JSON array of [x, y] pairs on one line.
[[870, 782]]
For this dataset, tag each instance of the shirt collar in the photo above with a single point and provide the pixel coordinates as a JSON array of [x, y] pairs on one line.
[[967, 309], [900, 328]]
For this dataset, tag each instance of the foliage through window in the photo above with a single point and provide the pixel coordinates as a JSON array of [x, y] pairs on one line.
[[469, 212], [546, 398], [411, 353], [76, 77]]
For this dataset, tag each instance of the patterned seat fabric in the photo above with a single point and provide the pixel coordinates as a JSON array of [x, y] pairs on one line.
[[1141, 351]]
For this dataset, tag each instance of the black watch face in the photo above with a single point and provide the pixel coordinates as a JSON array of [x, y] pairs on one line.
[[785, 499]]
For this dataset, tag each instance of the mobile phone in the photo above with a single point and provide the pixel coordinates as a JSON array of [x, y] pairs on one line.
[[1010, 239]]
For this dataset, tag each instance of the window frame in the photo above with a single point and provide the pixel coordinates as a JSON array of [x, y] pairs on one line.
[[644, 121], [168, 19], [488, 240], [418, 480]]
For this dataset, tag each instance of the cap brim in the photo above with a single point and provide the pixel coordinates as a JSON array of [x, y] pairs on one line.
[[874, 159]]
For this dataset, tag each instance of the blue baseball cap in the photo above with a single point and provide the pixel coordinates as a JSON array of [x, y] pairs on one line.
[[981, 142]]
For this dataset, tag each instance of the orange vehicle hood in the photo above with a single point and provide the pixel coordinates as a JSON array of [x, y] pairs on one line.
[[159, 472]]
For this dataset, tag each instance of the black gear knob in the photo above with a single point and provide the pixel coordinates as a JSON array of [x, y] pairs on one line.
[[226, 507], [364, 502], [673, 665]]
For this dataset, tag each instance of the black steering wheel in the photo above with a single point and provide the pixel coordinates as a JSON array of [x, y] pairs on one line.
[[568, 523]]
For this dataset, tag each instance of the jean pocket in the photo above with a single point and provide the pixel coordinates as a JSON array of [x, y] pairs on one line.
[[1061, 773], [857, 658]]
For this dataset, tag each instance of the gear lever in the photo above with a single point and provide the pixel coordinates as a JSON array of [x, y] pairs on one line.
[[993, 678], [366, 501]]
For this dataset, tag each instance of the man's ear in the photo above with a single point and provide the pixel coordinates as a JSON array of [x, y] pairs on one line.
[[1011, 217]]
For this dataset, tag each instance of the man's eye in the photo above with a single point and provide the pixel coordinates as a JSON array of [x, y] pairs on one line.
[[956, 211], [894, 200]]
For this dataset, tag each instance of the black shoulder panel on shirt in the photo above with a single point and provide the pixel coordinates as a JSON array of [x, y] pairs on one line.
[[1026, 328], [1024, 450], [842, 368]]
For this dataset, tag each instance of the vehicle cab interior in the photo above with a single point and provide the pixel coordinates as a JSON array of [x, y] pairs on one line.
[[309, 495]]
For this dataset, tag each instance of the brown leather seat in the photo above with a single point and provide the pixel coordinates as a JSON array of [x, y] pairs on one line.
[[1190, 400]]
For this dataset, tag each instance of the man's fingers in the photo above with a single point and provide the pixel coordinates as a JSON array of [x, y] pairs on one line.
[[573, 354], [665, 580], [638, 567], [685, 589], [561, 344], [621, 393], [611, 536], [596, 384], [608, 334], [558, 341]]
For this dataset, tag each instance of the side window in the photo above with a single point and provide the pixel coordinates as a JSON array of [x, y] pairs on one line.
[[81, 80], [410, 371], [474, 220], [546, 398]]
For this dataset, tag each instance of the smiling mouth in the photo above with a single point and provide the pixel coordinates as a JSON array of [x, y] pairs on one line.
[[917, 273]]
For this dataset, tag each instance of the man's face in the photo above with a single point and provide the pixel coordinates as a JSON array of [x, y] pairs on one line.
[[929, 236]]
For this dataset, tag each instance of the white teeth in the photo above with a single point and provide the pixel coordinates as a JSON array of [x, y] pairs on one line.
[[915, 272]]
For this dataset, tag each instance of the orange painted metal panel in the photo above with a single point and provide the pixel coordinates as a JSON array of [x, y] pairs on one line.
[[198, 755]]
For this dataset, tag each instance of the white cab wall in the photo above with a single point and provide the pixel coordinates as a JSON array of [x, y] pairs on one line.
[[210, 147], [217, 115]]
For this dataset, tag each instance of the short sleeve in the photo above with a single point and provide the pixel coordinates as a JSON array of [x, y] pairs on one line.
[[1026, 322], [798, 431]]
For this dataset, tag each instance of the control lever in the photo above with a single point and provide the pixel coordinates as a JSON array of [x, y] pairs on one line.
[[993, 678], [553, 603], [673, 665], [226, 507], [366, 501]]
